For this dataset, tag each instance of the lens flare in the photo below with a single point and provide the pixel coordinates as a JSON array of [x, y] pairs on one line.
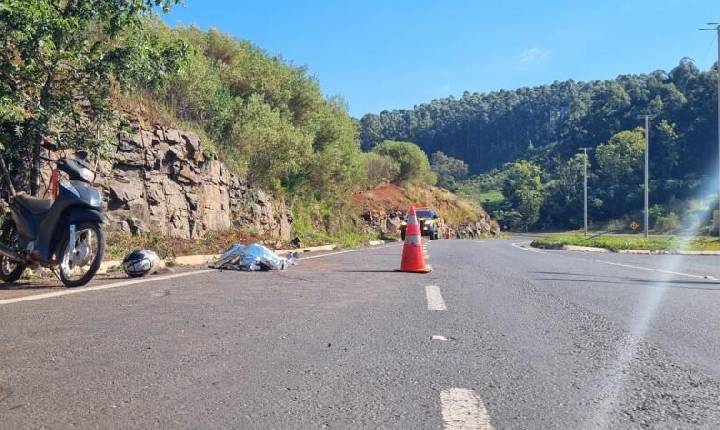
[[616, 373]]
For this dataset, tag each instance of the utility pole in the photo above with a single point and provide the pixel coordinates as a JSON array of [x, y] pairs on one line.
[[715, 26], [646, 220], [585, 207]]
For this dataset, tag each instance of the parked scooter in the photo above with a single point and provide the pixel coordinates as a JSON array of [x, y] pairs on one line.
[[63, 234]]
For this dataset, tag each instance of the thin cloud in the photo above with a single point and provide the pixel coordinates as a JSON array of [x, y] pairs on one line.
[[533, 55]]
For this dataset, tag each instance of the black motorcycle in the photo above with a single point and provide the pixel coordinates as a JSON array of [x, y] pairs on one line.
[[63, 234]]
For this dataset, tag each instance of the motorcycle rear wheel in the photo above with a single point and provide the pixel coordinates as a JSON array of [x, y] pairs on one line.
[[10, 271], [90, 236]]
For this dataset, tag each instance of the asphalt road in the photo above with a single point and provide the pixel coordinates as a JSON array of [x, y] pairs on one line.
[[534, 340]]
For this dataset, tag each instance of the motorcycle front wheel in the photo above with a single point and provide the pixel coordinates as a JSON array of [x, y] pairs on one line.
[[80, 261]]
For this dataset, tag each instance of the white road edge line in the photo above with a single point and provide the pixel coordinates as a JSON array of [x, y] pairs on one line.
[[435, 300], [146, 280], [463, 409], [301, 258], [650, 269], [519, 245], [101, 287]]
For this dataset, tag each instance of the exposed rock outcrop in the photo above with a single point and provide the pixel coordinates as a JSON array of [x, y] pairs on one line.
[[161, 181], [384, 208]]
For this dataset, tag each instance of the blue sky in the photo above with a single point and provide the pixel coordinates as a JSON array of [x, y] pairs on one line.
[[398, 53]]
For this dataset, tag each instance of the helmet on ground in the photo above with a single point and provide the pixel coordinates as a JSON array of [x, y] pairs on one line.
[[140, 262]]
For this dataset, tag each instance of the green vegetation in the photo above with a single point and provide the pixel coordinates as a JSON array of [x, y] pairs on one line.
[[448, 169], [266, 118], [59, 63], [619, 242], [319, 222], [68, 70], [523, 191], [546, 126], [412, 161]]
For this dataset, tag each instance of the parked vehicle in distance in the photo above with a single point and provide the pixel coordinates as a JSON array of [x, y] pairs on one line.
[[428, 220], [63, 234]]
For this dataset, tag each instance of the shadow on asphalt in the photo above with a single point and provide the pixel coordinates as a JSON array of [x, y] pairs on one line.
[[685, 285], [27, 286], [575, 274], [367, 271]]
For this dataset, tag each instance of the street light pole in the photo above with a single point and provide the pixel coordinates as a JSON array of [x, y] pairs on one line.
[[646, 217], [716, 27], [585, 205]]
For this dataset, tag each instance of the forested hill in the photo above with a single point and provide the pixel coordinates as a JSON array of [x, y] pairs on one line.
[[549, 123]]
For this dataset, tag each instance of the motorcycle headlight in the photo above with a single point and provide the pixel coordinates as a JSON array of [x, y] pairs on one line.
[[87, 174], [95, 199]]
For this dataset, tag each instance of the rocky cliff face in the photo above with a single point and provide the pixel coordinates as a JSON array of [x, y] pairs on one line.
[[161, 181]]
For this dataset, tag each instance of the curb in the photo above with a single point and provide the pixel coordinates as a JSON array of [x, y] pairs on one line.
[[583, 248], [633, 251], [667, 252], [639, 251]]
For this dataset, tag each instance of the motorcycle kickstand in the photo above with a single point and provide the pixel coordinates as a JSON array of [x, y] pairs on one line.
[[57, 275]]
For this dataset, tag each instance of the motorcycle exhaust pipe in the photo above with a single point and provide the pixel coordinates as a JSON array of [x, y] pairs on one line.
[[10, 253]]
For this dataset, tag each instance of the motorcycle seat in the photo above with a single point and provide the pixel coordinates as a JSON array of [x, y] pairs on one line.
[[34, 205]]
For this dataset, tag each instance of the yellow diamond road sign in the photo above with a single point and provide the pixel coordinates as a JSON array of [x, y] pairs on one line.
[[634, 225]]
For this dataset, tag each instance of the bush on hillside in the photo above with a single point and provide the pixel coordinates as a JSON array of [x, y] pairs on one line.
[[380, 168], [267, 118], [413, 162], [668, 223]]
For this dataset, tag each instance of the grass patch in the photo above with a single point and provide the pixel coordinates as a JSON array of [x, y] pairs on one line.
[[119, 244], [322, 222], [490, 197], [619, 242]]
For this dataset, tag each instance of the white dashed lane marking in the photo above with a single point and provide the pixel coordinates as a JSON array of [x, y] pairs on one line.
[[435, 300], [463, 409]]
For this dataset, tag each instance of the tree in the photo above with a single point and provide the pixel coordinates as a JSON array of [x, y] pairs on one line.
[[620, 157], [664, 150], [620, 162], [414, 164], [448, 169], [59, 61], [523, 191], [562, 206]]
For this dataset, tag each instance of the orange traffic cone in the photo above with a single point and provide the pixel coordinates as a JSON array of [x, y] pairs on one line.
[[413, 259]]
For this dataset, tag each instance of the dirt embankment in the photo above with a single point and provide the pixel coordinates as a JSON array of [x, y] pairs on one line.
[[384, 207]]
